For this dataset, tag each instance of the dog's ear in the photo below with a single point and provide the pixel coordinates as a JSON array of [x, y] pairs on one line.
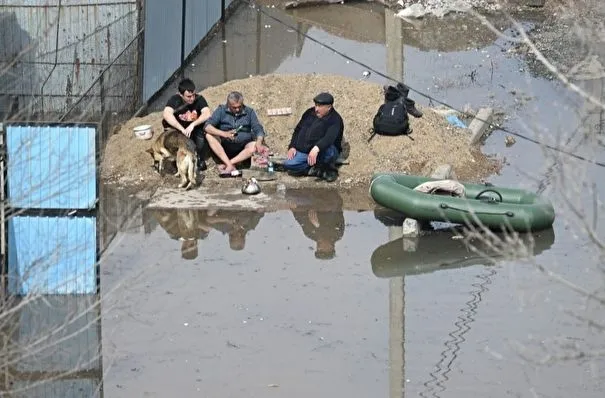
[[149, 151]]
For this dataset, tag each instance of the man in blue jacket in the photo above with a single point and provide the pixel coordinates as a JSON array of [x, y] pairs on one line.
[[317, 141], [234, 134]]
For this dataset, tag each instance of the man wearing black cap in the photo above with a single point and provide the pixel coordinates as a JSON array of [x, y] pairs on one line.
[[317, 141]]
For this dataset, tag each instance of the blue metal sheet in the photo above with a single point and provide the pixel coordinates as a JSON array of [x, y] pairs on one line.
[[51, 167], [52, 255], [162, 51], [200, 17]]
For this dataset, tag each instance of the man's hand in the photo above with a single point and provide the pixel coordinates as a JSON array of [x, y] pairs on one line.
[[312, 158], [187, 132], [230, 135], [261, 149], [291, 153]]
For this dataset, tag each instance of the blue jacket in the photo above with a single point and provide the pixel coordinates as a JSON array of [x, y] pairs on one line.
[[223, 119]]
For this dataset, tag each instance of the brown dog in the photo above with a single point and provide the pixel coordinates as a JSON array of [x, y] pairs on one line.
[[172, 145], [186, 165]]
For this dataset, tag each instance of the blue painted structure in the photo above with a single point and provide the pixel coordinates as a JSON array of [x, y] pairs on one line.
[[52, 175], [52, 255], [51, 167]]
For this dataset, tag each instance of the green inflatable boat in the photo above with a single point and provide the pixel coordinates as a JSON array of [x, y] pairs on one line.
[[490, 206]]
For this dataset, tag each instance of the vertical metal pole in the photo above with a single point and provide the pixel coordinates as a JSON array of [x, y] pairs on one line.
[[183, 17], [4, 270], [258, 41], [140, 58], [224, 38], [222, 10]]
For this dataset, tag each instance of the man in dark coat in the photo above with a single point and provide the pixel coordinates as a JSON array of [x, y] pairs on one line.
[[317, 141]]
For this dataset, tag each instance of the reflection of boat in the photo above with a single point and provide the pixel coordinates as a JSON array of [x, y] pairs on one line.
[[441, 252], [489, 206]]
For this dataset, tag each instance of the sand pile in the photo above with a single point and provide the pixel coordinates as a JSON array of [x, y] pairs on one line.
[[435, 141]]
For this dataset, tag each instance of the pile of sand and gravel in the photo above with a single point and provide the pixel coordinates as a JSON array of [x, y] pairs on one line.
[[436, 142]]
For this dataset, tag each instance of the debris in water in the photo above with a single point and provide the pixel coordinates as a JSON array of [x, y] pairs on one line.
[[509, 140]]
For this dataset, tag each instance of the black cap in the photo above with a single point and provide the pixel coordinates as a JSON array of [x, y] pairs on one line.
[[324, 99]]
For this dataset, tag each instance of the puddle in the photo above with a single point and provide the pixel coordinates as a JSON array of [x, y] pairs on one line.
[[258, 298], [314, 300]]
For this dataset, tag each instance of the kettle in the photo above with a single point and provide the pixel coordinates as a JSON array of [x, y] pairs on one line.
[[251, 187]]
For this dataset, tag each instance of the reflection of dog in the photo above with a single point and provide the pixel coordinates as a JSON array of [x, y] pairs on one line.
[[186, 165], [166, 146]]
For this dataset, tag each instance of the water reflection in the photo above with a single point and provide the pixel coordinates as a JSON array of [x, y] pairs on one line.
[[51, 347], [321, 218], [440, 251], [191, 225]]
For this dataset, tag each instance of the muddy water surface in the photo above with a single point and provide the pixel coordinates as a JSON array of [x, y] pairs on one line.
[[311, 303]]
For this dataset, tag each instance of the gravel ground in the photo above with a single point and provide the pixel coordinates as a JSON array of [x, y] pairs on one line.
[[435, 141]]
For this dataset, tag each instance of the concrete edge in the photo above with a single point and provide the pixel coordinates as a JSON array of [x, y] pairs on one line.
[[480, 124]]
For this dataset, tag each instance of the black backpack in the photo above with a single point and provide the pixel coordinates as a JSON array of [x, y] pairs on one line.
[[392, 119]]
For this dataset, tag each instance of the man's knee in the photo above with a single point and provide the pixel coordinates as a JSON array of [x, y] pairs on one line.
[[250, 148], [211, 139]]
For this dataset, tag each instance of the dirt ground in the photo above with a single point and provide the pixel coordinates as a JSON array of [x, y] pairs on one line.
[[435, 141]]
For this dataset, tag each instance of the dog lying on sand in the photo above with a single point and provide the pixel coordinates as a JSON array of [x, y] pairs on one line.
[[172, 145]]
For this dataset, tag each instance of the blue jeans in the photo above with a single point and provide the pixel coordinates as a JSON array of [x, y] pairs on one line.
[[299, 162]]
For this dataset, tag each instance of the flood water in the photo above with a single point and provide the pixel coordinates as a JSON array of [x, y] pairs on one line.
[[325, 301]]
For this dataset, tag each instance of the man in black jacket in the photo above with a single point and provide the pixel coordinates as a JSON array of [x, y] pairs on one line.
[[317, 141]]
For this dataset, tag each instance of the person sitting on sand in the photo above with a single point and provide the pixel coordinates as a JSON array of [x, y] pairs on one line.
[[187, 112], [317, 141], [234, 134]]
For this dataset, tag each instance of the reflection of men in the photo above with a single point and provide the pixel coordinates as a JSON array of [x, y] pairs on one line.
[[185, 225], [321, 219], [235, 223]]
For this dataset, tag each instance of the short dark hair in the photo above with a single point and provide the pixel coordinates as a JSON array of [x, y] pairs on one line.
[[186, 85]]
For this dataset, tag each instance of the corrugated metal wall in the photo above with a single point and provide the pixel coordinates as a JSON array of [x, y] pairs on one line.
[[51, 255], [163, 46], [63, 46], [51, 167]]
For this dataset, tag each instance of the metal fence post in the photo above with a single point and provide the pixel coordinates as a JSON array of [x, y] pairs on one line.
[[183, 16], [3, 257], [222, 10]]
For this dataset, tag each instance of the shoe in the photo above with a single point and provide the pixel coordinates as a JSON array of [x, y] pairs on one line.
[[329, 175], [279, 167], [415, 112], [403, 89], [302, 173], [410, 106], [314, 172], [201, 165]]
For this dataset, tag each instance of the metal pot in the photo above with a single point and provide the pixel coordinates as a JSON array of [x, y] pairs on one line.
[[251, 187]]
